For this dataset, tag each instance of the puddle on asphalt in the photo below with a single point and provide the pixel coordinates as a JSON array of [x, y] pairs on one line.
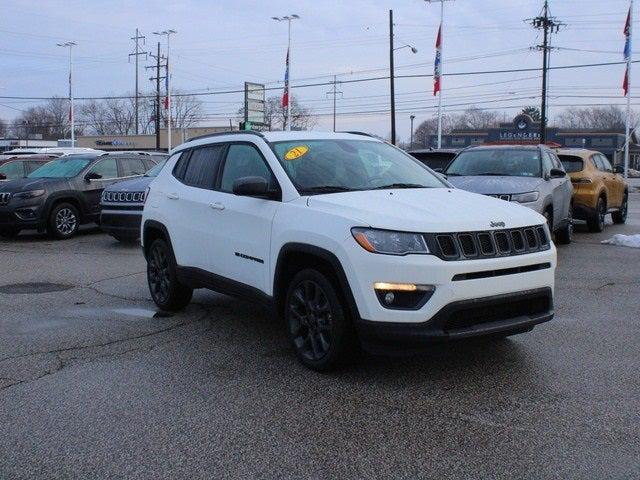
[[141, 312]]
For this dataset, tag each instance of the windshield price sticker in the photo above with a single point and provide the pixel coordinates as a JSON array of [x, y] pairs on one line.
[[296, 152]]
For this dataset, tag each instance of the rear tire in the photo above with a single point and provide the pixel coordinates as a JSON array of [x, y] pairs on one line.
[[166, 291], [621, 215], [64, 221], [318, 322], [565, 234], [595, 222]]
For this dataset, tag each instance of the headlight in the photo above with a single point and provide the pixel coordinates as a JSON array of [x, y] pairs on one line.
[[391, 243], [29, 194], [525, 197]]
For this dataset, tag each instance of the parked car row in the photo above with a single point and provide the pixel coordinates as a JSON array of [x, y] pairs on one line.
[[64, 193], [350, 240], [561, 184]]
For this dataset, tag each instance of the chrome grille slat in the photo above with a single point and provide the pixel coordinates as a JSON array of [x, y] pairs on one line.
[[124, 197], [4, 198]]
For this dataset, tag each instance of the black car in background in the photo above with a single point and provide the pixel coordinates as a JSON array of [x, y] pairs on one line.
[[122, 204], [434, 158], [64, 193]]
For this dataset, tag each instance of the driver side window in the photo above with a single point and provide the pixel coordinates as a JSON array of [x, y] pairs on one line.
[[107, 168], [243, 160], [547, 163]]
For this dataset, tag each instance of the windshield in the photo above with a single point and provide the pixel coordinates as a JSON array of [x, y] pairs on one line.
[[571, 163], [325, 166], [155, 170], [509, 162], [65, 167]]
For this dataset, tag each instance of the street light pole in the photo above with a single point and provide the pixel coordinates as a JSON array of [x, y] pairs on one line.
[[70, 45], [168, 105], [287, 79]]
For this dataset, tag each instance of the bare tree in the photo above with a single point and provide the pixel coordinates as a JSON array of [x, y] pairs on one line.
[[602, 118], [274, 115], [186, 110], [430, 127], [51, 120], [4, 128]]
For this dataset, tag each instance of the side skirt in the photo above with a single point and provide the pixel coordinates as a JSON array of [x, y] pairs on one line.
[[198, 278]]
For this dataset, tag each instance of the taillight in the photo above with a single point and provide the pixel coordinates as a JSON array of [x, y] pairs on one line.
[[581, 180]]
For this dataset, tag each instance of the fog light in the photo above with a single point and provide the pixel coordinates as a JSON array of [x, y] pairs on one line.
[[403, 296]]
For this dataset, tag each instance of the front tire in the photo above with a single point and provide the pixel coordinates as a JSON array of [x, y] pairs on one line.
[[318, 321], [595, 222], [166, 291], [621, 215], [565, 234], [64, 221]]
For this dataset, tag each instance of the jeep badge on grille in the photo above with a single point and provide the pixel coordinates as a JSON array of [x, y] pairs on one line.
[[497, 224]]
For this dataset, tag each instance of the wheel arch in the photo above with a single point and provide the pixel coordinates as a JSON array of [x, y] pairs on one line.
[[293, 257], [65, 197], [152, 230]]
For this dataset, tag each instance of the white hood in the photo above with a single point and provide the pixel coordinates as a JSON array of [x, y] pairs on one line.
[[427, 210]]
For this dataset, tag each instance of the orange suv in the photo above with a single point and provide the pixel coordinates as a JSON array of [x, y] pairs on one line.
[[598, 188]]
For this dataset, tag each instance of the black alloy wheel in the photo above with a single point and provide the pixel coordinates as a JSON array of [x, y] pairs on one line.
[[318, 323], [166, 291], [621, 215]]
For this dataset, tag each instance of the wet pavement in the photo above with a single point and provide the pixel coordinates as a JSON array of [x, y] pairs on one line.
[[93, 384]]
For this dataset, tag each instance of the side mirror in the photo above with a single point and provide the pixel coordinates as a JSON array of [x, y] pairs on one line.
[[3, 176], [251, 187], [92, 176], [557, 173], [616, 169]]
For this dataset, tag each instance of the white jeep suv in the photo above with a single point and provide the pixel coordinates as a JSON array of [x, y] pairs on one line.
[[351, 240]]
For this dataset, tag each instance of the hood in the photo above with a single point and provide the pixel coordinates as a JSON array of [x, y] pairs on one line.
[[496, 185], [26, 184], [426, 210], [137, 184]]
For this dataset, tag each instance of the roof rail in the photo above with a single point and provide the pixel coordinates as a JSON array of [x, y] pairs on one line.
[[353, 132], [230, 132]]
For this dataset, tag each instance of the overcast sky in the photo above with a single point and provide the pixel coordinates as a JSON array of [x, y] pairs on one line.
[[220, 44]]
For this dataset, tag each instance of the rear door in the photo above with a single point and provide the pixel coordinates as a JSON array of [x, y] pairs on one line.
[[565, 188], [552, 187], [614, 185], [187, 204], [243, 224]]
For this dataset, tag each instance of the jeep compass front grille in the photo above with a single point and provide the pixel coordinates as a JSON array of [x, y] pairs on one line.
[[488, 244]]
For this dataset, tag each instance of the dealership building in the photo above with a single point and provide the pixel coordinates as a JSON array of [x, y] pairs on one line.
[[523, 130]]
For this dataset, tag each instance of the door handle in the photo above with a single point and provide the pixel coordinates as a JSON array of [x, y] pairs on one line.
[[172, 196], [217, 206]]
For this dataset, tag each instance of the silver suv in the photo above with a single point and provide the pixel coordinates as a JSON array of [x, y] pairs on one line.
[[531, 175]]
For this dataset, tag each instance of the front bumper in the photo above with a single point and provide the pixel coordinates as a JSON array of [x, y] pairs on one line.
[[512, 312], [121, 223], [22, 216]]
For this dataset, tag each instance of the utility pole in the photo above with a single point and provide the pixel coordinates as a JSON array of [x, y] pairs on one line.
[[412, 118], [136, 54], [167, 105], [157, 78], [548, 25], [392, 91], [287, 77], [334, 92]]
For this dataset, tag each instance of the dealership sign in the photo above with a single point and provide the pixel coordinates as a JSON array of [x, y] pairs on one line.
[[254, 106]]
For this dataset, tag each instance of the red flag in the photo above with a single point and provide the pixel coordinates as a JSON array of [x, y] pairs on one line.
[[437, 66]]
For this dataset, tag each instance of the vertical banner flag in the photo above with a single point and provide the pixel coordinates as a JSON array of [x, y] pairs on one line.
[[627, 52], [437, 67], [285, 94]]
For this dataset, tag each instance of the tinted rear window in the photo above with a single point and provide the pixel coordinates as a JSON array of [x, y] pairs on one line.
[[202, 168], [571, 163]]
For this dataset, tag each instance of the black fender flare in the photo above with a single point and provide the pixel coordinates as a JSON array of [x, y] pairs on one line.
[[325, 255], [64, 195], [155, 225]]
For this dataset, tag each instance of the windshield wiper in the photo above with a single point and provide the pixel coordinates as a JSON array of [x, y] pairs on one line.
[[486, 174], [400, 185], [327, 189]]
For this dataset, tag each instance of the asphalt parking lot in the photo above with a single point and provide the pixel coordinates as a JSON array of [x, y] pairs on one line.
[[93, 385]]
